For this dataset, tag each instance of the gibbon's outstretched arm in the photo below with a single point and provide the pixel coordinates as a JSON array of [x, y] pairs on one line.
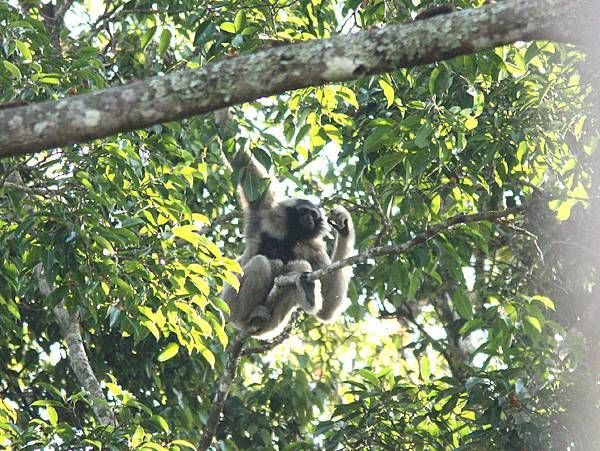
[[335, 285]]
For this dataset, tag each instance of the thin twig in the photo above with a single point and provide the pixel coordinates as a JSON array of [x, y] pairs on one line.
[[220, 220], [26, 189]]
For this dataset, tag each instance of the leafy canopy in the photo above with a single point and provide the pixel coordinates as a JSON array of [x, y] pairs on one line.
[[453, 344]]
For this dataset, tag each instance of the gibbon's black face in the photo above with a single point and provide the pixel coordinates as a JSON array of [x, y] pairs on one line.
[[304, 220]]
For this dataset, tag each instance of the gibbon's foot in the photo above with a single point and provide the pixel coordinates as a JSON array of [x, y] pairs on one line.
[[339, 218], [277, 267], [259, 315], [309, 288]]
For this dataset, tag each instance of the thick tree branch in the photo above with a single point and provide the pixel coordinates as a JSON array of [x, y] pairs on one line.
[[236, 80], [70, 328]]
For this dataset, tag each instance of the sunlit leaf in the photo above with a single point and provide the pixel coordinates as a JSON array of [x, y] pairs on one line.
[[462, 304], [170, 351], [388, 91], [52, 415]]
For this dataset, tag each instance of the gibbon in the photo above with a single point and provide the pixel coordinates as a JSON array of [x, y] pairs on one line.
[[283, 237]]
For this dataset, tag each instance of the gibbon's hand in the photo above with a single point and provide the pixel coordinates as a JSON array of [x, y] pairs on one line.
[[340, 220]]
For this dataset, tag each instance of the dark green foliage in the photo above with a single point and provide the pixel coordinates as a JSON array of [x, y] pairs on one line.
[[466, 342]]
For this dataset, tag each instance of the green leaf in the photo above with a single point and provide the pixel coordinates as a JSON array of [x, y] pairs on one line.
[[161, 423], [425, 366], [240, 21], [156, 446], [14, 70], [229, 27], [253, 186], [521, 150], [52, 415], [185, 443], [544, 300], [389, 161], [534, 322], [423, 134], [138, 437], [46, 402], [187, 233], [433, 78], [103, 243], [220, 333], [21, 24], [435, 204], [462, 304], [207, 354], [170, 351], [24, 49], [379, 138], [114, 388], [201, 283], [152, 328], [165, 40], [147, 37], [471, 123], [562, 208], [232, 280], [369, 375]]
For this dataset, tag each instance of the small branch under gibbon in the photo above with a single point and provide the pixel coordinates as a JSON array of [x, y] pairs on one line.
[[225, 382], [236, 350]]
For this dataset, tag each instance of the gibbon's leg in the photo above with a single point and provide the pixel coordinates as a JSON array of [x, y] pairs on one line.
[[304, 294], [335, 285], [255, 285]]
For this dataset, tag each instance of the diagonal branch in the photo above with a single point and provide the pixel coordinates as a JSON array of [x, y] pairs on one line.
[[70, 328], [273, 71], [395, 249]]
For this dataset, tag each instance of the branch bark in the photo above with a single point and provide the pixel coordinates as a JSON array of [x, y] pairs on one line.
[[236, 80], [70, 328]]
